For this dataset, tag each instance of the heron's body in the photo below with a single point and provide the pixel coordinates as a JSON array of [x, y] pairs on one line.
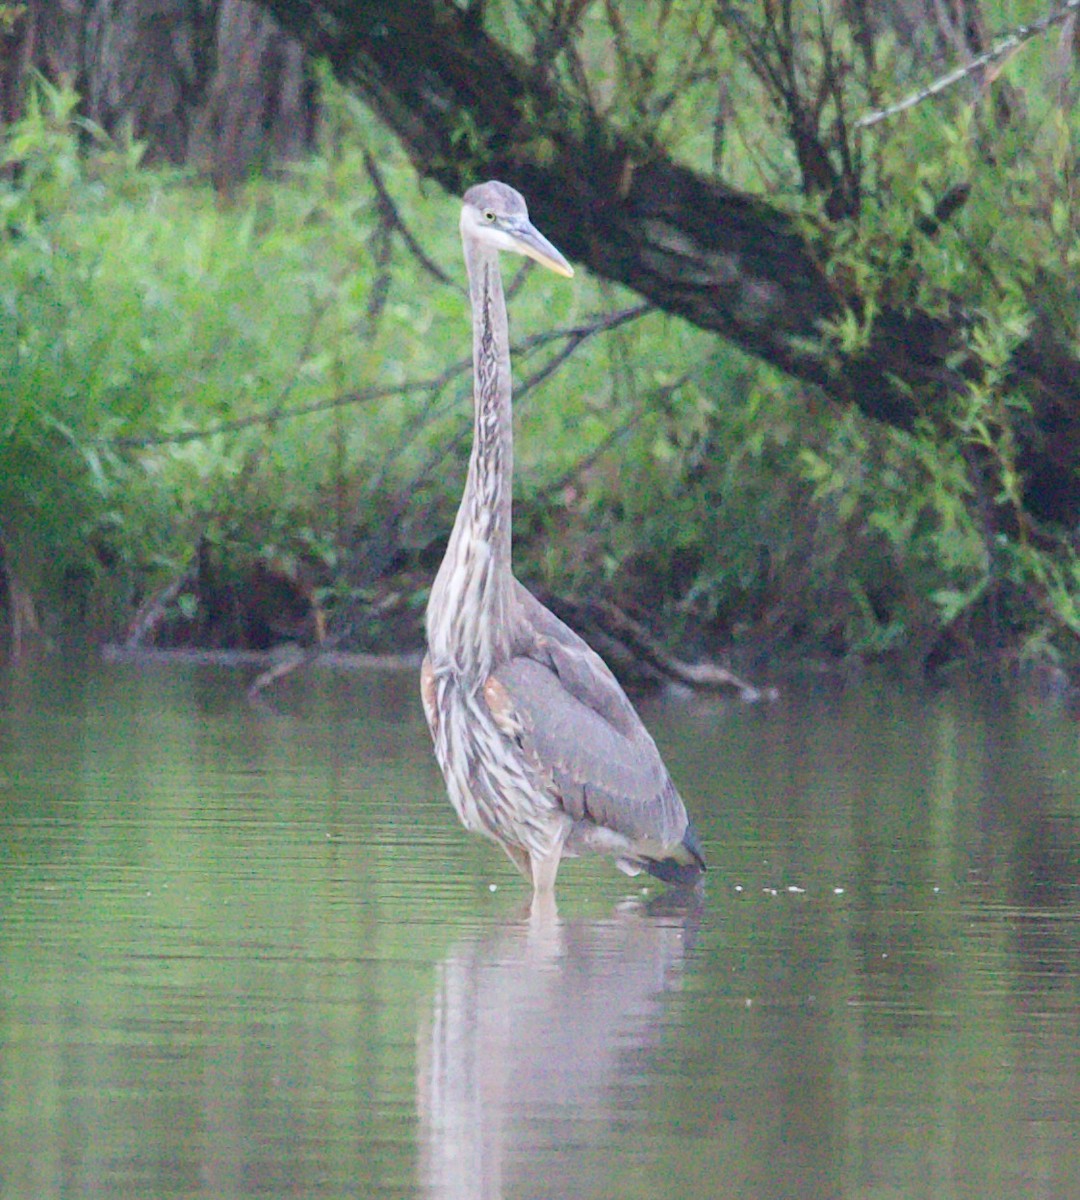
[[540, 748]]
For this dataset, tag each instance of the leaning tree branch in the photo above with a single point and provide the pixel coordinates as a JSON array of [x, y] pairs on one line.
[[466, 107]]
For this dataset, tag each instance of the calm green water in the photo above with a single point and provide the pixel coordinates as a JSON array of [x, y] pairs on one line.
[[248, 952]]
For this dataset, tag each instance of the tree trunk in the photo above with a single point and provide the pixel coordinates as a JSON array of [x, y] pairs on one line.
[[211, 82], [467, 108]]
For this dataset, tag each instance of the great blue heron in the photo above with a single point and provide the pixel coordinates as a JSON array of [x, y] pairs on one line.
[[541, 750]]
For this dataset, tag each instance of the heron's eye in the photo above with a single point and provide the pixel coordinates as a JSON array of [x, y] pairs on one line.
[[489, 215]]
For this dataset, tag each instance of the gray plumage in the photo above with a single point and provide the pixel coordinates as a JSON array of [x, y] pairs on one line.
[[540, 748]]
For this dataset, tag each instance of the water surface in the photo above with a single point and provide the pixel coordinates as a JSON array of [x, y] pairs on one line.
[[248, 952]]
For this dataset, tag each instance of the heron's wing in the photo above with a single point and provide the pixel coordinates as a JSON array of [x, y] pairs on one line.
[[576, 724], [428, 696]]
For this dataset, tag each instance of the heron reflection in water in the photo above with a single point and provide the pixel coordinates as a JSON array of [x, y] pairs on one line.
[[541, 750], [521, 1092]]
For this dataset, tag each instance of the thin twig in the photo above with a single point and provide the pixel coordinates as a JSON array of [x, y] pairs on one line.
[[1020, 35], [255, 454], [576, 333], [393, 217], [608, 440], [382, 240], [524, 387], [361, 396], [301, 658]]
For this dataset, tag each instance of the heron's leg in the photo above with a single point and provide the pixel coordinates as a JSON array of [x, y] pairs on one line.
[[544, 871], [545, 930], [545, 863]]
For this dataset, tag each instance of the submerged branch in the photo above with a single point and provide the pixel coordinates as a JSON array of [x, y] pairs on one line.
[[704, 675], [153, 611]]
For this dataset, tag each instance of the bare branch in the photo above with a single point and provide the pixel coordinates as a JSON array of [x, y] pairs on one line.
[[362, 396], [393, 217], [1011, 41], [611, 438], [576, 334], [522, 389]]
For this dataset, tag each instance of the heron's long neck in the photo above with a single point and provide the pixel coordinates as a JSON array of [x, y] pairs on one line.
[[469, 611]]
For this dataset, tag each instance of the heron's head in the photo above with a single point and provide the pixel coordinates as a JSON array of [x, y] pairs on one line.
[[495, 215]]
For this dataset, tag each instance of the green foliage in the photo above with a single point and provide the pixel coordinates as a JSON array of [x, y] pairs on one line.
[[248, 374], [1008, 251], [137, 309], [179, 370], [735, 499]]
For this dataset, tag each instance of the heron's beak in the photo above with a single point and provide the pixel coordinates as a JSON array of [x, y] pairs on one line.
[[532, 242]]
